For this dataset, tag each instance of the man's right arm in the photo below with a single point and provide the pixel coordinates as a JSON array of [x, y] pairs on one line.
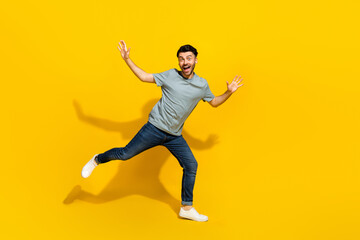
[[141, 74]]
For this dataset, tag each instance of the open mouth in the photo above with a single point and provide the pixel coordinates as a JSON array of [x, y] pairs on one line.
[[186, 68]]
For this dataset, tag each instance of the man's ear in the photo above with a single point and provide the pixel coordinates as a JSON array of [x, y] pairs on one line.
[[195, 60]]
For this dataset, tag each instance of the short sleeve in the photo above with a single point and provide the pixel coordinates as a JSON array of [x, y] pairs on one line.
[[208, 95], [161, 77]]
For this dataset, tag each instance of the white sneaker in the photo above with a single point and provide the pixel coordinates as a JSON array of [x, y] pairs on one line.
[[89, 167], [193, 215]]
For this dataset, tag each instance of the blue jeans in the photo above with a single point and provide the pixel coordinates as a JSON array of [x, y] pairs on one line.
[[150, 136]]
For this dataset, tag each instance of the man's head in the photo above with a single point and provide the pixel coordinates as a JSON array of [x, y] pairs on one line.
[[187, 56]]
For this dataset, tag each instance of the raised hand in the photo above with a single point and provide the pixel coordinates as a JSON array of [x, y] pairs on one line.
[[234, 85], [123, 50]]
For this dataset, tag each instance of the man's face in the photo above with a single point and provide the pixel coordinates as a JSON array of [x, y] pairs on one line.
[[187, 61]]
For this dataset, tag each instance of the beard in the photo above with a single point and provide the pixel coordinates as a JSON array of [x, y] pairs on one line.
[[189, 71]]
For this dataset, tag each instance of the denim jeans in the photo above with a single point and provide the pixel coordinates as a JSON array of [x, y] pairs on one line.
[[150, 136]]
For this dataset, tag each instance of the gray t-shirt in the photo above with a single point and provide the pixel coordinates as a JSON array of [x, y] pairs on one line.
[[179, 98]]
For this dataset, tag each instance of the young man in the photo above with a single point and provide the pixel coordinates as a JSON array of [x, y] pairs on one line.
[[181, 92]]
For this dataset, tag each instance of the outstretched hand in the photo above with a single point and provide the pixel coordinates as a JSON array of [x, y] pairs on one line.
[[234, 85], [123, 50]]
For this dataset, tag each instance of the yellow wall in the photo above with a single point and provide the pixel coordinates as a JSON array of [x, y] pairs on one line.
[[279, 160]]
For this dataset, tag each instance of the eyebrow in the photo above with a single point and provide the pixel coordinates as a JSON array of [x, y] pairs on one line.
[[185, 56]]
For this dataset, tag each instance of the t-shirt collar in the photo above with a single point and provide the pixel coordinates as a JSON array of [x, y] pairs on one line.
[[179, 72]]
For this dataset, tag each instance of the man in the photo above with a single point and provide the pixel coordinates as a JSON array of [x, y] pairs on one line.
[[181, 92]]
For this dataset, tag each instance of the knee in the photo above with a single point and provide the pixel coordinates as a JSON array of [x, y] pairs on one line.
[[125, 157], [191, 167], [121, 154]]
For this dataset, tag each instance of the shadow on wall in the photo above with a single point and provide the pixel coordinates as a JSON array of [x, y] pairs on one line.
[[139, 175]]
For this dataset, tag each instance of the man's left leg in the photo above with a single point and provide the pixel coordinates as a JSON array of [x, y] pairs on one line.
[[181, 150]]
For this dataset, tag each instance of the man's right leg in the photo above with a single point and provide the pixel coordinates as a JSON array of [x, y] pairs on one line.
[[146, 138]]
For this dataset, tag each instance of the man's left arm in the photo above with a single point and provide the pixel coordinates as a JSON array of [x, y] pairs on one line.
[[231, 88]]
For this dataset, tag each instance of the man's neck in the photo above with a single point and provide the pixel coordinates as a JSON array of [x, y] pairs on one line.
[[191, 75]]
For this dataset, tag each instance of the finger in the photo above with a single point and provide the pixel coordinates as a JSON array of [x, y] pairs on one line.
[[121, 47], [239, 80], [122, 41]]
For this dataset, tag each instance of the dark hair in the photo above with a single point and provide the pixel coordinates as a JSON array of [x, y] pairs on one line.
[[187, 48]]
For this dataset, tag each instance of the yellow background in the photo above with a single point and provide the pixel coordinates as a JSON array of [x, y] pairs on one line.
[[279, 160]]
